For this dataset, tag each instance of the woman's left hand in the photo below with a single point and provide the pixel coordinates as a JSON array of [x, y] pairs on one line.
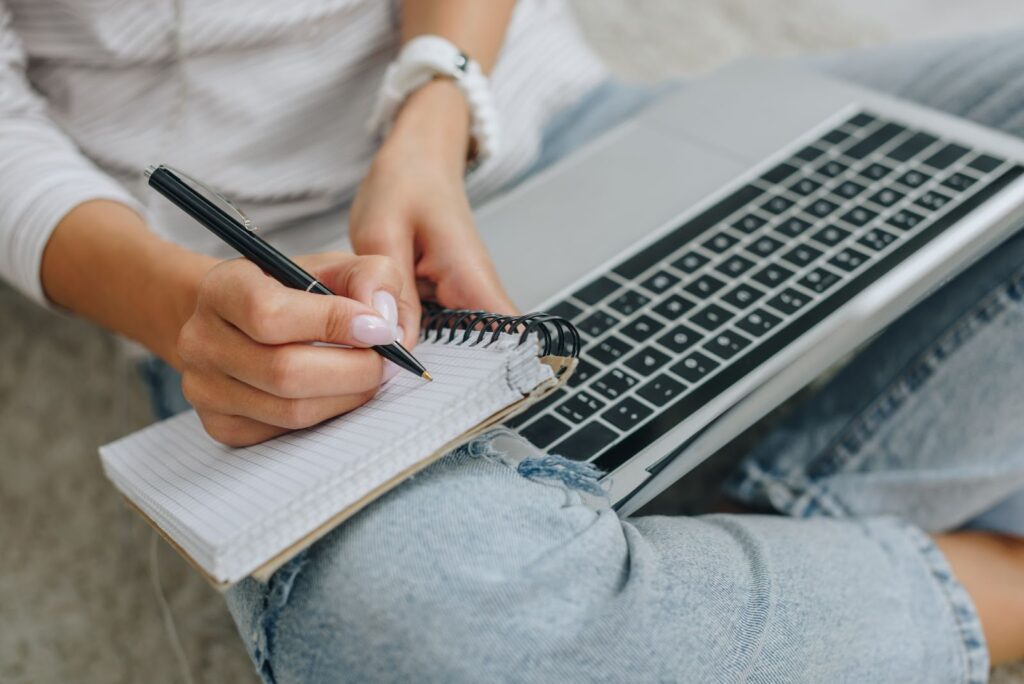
[[412, 207]]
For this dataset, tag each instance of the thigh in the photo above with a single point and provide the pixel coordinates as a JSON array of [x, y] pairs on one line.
[[471, 572], [921, 422]]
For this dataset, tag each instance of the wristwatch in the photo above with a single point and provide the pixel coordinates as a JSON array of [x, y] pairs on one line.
[[421, 60]]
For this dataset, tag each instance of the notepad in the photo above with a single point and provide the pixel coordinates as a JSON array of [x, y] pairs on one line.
[[236, 512]]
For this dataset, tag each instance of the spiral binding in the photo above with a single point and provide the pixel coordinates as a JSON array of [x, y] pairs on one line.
[[558, 336]]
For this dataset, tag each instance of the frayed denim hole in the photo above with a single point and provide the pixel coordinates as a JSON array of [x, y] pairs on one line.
[[274, 601], [577, 475]]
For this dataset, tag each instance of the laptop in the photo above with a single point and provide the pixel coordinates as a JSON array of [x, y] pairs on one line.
[[729, 244]]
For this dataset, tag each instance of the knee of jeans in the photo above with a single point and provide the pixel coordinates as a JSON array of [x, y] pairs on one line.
[[427, 559]]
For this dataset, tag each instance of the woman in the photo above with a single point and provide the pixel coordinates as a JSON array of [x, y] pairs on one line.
[[472, 571]]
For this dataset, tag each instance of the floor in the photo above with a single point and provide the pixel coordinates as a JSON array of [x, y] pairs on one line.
[[79, 596]]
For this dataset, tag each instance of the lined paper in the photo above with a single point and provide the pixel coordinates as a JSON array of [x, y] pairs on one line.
[[231, 510]]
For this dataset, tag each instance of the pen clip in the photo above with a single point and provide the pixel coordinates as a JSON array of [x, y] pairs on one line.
[[246, 222]]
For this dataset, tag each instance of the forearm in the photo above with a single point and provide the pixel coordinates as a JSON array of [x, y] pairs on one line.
[[477, 27], [104, 264]]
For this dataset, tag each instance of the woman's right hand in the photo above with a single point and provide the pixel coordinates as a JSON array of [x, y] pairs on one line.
[[247, 364]]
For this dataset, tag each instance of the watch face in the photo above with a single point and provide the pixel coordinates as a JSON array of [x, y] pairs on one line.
[[461, 61]]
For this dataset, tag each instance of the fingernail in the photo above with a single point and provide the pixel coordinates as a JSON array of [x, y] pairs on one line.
[[372, 330], [390, 371], [385, 305], [399, 333]]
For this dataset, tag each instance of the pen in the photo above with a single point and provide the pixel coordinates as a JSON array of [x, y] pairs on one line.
[[240, 234]]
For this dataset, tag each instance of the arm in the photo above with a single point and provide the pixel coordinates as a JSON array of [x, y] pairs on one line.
[[71, 234], [412, 205]]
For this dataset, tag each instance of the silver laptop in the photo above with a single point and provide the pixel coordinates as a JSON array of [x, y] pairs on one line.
[[726, 246]]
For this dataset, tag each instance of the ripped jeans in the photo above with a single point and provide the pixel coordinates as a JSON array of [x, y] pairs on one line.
[[498, 563]]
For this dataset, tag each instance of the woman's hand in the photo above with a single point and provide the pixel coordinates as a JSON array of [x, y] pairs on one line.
[[412, 206], [246, 362]]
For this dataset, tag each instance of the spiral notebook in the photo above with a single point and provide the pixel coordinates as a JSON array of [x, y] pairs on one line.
[[239, 512]]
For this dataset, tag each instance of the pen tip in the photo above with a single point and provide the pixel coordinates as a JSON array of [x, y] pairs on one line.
[[426, 376]]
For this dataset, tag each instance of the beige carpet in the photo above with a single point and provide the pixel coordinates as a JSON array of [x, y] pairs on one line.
[[77, 602]]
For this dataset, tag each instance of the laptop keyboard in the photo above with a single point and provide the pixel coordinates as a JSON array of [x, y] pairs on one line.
[[676, 324]]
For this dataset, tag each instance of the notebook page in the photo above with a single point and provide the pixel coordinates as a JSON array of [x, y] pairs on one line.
[[233, 509]]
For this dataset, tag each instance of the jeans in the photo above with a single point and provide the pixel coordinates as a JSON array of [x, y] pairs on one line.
[[498, 564]]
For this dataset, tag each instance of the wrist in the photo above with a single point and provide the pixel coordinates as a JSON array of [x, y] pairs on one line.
[[434, 120]]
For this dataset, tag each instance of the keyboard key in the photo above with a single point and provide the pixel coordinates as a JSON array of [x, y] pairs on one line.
[[673, 307], [565, 310], [694, 367], [758, 322], [646, 362], [946, 156], [985, 163], [734, 266], [849, 189], [860, 120], [653, 254], [779, 173], [584, 371], [711, 317], [596, 324], [819, 280], [679, 339], [720, 242], [641, 328], [614, 383], [804, 186], [579, 407], [629, 302], [743, 296], [887, 197], [904, 219], [809, 154], [959, 182], [777, 205], [537, 409], [875, 171], [830, 236], [704, 286], [586, 442], [875, 140], [772, 275], [801, 255], [834, 137], [627, 414], [848, 260], [749, 223], [764, 246], [727, 344], [793, 227], [912, 179], [789, 301], [661, 390], [932, 200], [690, 262], [911, 147], [660, 281], [821, 208], [832, 168], [877, 239], [596, 290], [544, 430], [858, 216], [609, 350]]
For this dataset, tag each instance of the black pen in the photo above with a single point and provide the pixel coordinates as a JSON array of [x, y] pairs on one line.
[[240, 234]]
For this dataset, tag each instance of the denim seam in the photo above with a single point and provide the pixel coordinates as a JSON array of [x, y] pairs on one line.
[[274, 601], [974, 652], [845, 448]]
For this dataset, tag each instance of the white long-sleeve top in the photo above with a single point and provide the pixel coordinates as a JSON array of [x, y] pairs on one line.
[[266, 101]]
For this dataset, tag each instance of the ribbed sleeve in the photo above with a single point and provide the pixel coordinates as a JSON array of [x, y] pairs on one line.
[[43, 176]]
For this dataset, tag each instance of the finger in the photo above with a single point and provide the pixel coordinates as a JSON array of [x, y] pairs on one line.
[[236, 431], [270, 313], [464, 275], [398, 245], [218, 393], [292, 371]]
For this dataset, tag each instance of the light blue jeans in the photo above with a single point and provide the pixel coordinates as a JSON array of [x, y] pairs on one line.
[[495, 564]]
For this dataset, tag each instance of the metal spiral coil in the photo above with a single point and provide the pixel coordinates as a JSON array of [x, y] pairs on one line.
[[557, 335]]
